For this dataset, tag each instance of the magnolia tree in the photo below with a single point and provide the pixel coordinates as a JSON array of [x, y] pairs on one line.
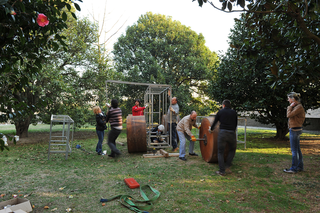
[[28, 30]]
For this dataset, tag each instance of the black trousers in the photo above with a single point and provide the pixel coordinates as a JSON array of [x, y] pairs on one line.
[[226, 137], [112, 136]]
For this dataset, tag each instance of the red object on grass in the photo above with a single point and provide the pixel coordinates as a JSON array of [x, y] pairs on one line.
[[132, 183]]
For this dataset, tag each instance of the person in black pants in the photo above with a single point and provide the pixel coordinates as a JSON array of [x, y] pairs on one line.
[[100, 127], [114, 117], [227, 135]]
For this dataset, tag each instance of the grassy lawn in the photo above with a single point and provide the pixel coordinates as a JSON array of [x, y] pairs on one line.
[[257, 183]]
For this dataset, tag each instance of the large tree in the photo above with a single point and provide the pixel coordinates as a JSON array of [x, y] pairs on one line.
[[73, 77], [28, 29], [285, 26], [160, 50], [244, 77]]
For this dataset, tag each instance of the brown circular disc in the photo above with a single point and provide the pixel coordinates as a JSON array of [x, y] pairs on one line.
[[209, 151], [136, 134]]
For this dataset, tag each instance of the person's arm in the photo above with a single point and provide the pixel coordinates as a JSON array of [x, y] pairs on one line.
[[107, 116], [186, 127], [216, 119], [294, 110], [100, 120], [137, 109]]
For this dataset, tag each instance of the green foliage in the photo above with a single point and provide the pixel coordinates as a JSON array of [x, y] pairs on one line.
[[72, 78], [289, 27], [23, 46], [244, 77], [159, 50]]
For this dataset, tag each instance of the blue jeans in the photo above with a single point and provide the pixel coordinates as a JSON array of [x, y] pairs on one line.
[[112, 136], [173, 127], [182, 138], [100, 137], [297, 160], [226, 137]]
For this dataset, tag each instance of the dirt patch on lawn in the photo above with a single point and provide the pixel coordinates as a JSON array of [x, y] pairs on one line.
[[43, 137]]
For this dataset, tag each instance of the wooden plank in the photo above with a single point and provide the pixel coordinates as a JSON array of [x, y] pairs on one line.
[[122, 144], [164, 153], [159, 155]]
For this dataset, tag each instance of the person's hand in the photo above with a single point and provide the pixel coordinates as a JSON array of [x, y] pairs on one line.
[[199, 127], [193, 138], [171, 109], [146, 105], [293, 104], [209, 130], [108, 105]]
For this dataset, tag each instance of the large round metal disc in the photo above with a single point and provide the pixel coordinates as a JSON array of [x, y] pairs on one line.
[[209, 151], [136, 134]]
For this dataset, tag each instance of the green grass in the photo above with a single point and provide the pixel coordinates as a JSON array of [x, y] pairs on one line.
[[257, 183]]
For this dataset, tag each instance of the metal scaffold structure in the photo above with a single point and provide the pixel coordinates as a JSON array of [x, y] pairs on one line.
[[61, 141], [139, 134]]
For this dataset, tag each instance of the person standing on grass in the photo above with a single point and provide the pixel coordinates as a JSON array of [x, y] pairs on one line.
[[136, 109], [227, 135], [184, 132], [100, 127], [296, 117], [114, 117], [174, 110]]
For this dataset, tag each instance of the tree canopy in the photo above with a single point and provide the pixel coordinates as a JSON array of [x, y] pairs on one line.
[[285, 26], [160, 50], [243, 78], [27, 30]]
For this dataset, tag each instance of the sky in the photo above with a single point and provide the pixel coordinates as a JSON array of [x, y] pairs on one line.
[[214, 25]]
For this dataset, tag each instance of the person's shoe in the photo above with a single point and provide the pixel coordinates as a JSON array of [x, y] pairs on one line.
[[289, 171], [193, 154], [220, 173], [176, 149], [112, 155], [99, 153], [183, 158], [300, 170]]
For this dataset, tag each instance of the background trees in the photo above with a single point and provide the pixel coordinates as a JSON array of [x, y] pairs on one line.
[[39, 76], [23, 45], [159, 50], [244, 77]]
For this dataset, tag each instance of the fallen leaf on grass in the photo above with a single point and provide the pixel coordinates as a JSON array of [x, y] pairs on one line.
[[103, 204], [71, 196], [62, 188], [68, 209], [46, 207], [54, 209]]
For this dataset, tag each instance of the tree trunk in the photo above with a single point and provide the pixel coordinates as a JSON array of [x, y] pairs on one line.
[[281, 132], [22, 127]]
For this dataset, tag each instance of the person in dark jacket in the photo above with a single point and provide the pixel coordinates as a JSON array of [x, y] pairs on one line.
[[227, 135], [100, 127], [114, 117]]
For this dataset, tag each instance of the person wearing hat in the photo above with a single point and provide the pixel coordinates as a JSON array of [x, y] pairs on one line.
[[296, 116], [158, 131], [136, 109]]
